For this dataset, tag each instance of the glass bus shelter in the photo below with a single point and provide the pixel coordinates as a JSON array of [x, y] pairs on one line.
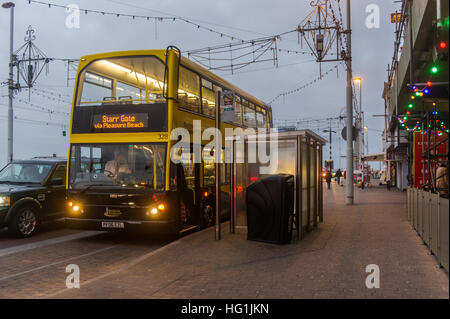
[[300, 155]]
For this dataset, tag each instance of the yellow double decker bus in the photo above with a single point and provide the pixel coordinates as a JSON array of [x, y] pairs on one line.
[[120, 174]]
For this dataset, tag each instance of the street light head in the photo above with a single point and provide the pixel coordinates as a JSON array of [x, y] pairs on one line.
[[357, 80], [8, 5]]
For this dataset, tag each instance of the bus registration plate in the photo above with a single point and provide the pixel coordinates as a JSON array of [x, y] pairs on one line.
[[119, 225]]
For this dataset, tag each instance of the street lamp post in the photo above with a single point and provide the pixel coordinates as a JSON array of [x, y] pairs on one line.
[[349, 200], [10, 5], [359, 123], [367, 139]]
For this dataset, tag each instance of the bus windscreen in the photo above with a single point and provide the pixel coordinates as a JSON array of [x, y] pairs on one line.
[[125, 165]]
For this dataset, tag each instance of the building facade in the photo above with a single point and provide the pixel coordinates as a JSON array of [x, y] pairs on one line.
[[416, 95]]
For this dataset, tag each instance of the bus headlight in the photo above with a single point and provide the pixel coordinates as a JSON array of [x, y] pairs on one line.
[[155, 209], [5, 201]]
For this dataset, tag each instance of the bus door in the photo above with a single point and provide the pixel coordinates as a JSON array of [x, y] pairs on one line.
[[209, 179], [189, 189]]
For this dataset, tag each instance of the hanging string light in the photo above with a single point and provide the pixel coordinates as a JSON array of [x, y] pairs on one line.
[[135, 16], [284, 94]]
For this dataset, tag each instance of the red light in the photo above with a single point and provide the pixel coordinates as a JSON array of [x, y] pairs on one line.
[[443, 45], [429, 83], [408, 113], [253, 179]]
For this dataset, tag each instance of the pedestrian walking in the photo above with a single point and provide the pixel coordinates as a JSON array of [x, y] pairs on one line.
[[338, 176], [328, 178]]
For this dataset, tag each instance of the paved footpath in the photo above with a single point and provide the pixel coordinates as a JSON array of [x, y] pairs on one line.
[[329, 263]]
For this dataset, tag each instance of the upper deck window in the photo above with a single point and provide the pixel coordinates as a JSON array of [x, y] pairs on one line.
[[249, 115], [189, 90], [260, 117], [238, 111], [121, 80], [209, 93]]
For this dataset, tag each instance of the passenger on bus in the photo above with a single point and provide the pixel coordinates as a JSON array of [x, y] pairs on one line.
[[143, 167]]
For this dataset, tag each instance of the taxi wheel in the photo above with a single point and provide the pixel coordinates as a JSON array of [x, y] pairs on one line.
[[24, 223]]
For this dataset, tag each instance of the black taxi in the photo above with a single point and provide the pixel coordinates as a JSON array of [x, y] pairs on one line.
[[31, 192]]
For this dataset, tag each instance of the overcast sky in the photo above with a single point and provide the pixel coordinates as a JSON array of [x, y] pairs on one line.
[[245, 19]]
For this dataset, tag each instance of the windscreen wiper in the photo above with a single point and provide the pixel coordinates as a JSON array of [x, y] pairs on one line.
[[87, 187], [16, 182]]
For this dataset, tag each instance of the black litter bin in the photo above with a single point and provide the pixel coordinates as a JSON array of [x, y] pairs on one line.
[[270, 206]]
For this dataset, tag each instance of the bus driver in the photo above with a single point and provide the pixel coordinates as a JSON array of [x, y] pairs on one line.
[[117, 165]]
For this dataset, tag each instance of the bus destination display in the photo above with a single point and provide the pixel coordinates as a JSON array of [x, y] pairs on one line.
[[120, 121]]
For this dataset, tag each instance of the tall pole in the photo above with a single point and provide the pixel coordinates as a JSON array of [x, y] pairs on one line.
[[349, 181], [367, 139], [10, 5], [340, 154], [330, 143], [361, 119], [217, 155]]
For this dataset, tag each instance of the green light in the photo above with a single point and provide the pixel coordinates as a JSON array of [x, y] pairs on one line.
[[404, 117], [410, 105], [434, 69], [403, 125], [417, 93]]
